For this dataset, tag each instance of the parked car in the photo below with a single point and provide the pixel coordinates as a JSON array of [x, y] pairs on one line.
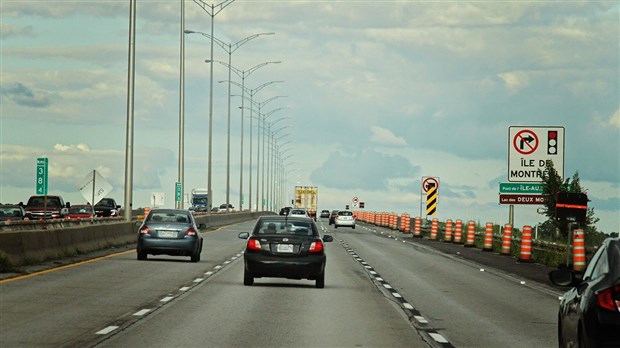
[[80, 211], [589, 314], [107, 207], [298, 212], [332, 217], [324, 213], [170, 232], [344, 218], [284, 247], [12, 212]]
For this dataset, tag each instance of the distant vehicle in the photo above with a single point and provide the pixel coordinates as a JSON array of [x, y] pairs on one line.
[[12, 212], [285, 210], [107, 207], [80, 211], [284, 247], [46, 207], [200, 200], [344, 218], [324, 213], [307, 197], [332, 216], [223, 207], [170, 232], [589, 314], [296, 212]]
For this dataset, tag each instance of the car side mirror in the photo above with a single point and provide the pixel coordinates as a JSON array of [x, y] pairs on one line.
[[563, 277], [328, 238], [202, 226], [68, 205], [244, 235]]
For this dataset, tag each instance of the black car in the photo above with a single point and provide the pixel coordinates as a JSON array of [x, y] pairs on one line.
[[332, 216], [107, 207], [170, 232], [589, 313], [284, 247]]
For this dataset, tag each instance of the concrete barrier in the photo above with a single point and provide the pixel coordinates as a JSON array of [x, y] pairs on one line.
[[21, 246]]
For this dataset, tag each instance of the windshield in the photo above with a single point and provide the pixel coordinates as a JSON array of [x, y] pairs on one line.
[[169, 217], [300, 228]]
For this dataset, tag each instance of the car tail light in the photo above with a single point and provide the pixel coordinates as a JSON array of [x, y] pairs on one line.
[[316, 247], [145, 230], [609, 298], [254, 244], [191, 232]]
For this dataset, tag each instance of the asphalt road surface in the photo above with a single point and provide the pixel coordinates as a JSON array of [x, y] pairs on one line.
[[380, 291]]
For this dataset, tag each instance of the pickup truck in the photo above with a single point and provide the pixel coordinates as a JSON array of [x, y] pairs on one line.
[[107, 207], [46, 207]]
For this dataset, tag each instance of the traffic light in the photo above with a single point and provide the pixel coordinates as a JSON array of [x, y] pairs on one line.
[[552, 142]]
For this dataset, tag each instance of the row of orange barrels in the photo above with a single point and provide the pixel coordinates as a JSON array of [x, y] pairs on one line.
[[454, 232]]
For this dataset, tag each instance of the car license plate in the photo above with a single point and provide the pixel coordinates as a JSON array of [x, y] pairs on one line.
[[284, 248], [167, 234]]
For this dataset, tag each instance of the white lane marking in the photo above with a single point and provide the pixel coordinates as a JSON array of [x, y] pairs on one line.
[[141, 312], [107, 330], [198, 280], [387, 286], [167, 298], [522, 282], [482, 270], [395, 294], [185, 288], [373, 272], [379, 279], [217, 267], [407, 305], [420, 319], [438, 338], [226, 262], [209, 273]]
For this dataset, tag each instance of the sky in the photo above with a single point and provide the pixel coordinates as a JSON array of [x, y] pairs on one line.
[[372, 97]]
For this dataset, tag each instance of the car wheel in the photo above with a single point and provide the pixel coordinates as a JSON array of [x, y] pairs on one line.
[[353, 226], [335, 226], [320, 281], [248, 279], [141, 255], [196, 256]]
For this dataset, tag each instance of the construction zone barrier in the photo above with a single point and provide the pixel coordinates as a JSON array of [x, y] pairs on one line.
[[579, 250], [434, 228], [458, 232], [488, 237], [526, 244], [393, 221], [448, 231], [506, 240], [417, 227], [471, 234], [405, 223]]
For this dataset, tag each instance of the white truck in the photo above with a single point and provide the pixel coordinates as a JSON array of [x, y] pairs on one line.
[[307, 197]]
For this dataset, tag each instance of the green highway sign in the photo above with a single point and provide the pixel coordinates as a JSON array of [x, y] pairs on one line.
[[41, 176], [515, 187], [179, 192]]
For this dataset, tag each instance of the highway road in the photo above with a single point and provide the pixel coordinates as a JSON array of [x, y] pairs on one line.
[[379, 292]]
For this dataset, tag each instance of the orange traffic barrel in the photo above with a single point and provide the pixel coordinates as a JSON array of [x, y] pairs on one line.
[[405, 223], [458, 232], [434, 227], [448, 231], [506, 240], [579, 250], [488, 237], [393, 221], [417, 228], [471, 234], [526, 244]]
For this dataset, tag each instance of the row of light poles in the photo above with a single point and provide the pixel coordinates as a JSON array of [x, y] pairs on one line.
[[230, 48]]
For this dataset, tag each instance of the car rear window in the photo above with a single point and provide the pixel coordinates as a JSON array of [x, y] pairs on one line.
[[169, 217], [299, 228], [345, 213]]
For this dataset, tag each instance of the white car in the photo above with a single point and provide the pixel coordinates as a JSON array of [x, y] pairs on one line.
[[344, 218], [297, 212]]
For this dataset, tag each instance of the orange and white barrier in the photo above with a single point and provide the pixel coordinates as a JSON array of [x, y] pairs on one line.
[[434, 228], [393, 221], [488, 237], [526, 244], [417, 227], [471, 234], [579, 250], [448, 231], [405, 223], [458, 232], [506, 240]]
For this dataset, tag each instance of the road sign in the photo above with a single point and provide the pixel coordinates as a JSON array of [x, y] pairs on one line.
[[516, 187], [179, 192], [428, 182], [93, 187], [41, 176], [355, 200], [521, 199], [529, 149], [572, 206]]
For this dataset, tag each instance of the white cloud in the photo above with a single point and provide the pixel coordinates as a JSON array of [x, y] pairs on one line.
[[385, 137], [514, 81], [614, 120]]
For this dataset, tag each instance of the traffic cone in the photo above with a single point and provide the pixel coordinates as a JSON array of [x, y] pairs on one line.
[[471, 234], [506, 240], [448, 231], [579, 250], [526, 244], [434, 228], [417, 228], [488, 237], [458, 232]]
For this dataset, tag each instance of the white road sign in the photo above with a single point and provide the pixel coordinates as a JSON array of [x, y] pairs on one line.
[[102, 187], [529, 148]]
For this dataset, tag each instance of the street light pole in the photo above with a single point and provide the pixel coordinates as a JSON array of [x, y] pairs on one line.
[[212, 10], [258, 131], [181, 174]]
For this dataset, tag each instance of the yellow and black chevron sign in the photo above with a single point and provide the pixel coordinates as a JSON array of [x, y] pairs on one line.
[[431, 200]]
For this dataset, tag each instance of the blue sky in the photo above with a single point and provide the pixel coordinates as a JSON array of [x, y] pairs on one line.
[[378, 95]]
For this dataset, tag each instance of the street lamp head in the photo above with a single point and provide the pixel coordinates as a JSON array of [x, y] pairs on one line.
[[187, 31]]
